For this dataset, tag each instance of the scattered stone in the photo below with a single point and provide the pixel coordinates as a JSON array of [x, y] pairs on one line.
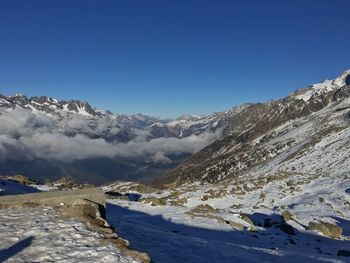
[[116, 195], [30, 204], [239, 206], [154, 201], [235, 225], [286, 228], [178, 202], [143, 189], [287, 216], [343, 253], [246, 219], [21, 179], [327, 229], [203, 209]]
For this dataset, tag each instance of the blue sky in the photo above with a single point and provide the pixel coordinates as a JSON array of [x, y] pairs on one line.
[[167, 58]]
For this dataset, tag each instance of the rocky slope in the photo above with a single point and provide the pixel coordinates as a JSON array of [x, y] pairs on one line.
[[285, 135]]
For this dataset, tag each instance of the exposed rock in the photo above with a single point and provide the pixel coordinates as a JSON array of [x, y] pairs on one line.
[[211, 194], [321, 199], [203, 209], [21, 179], [178, 202], [235, 225], [89, 213], [246, 219], [245, 143], [326, 229], [286, 228], [154, 201], [116, 195], [343, 253], [287, 216], [143, 189], [206, 215]]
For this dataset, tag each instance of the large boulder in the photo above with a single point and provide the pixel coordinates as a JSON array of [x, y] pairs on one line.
[[22, 179], [327, 229], [154, 201], [343, 253]]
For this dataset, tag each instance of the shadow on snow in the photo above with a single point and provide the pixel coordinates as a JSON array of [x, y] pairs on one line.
[[5, 254], [166, 241]]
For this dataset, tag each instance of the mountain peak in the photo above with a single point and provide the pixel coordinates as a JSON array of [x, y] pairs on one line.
[[323, 87], [343, 79]]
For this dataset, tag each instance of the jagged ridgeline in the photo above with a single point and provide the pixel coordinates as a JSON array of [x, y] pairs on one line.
[[305, 132]]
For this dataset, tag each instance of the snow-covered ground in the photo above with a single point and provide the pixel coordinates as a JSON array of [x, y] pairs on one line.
[[167, 234], [40, 235]]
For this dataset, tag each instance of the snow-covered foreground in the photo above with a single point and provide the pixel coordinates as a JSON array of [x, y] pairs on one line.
[[39, 235], [168, 234]]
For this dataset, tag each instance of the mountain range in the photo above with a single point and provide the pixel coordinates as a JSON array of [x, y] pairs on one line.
[[46, 138]]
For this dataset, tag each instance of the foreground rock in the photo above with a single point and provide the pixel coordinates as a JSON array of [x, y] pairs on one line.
[[20, 179], [86, 205], [90, 213]]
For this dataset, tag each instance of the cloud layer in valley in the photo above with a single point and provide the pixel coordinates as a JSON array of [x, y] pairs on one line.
[[28, 136]]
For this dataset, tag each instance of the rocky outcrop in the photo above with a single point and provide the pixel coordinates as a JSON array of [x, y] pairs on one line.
[[57, 198], [87, 205], [154, 201], [90, 213], [327, 229], [20, 179], [343, 253]]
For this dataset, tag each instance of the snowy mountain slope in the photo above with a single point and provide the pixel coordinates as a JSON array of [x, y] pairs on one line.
[[273, 132], [263, 217], [275, 187]]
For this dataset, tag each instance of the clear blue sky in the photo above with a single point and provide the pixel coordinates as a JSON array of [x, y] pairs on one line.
[[166, 58]]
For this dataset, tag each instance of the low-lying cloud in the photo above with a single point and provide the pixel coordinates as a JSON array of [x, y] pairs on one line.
[[28, 136]]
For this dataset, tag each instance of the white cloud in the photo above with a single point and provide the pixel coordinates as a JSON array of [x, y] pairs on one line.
[[25, 135]]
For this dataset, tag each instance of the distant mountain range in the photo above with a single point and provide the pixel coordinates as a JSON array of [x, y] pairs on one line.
[[45, 138]]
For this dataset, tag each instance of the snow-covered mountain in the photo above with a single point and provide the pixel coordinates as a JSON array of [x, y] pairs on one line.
[[45, 136], [54, 138], [289, 134], [103, 123], [274, 188]]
